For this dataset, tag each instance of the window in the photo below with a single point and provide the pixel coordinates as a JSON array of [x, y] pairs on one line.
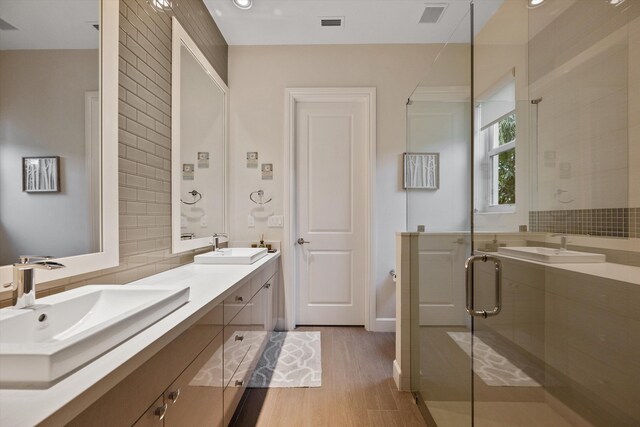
[[501, 153], [496, 149]]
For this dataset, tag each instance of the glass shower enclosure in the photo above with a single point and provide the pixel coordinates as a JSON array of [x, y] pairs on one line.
[[523, 143]]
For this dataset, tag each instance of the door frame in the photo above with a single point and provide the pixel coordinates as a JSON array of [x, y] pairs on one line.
[[289, 259]]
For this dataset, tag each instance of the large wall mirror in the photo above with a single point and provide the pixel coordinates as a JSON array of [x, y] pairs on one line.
[[198, 147], [58, 134]]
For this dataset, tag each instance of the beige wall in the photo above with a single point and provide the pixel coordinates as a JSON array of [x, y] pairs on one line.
[[42, 113], [258, 76]]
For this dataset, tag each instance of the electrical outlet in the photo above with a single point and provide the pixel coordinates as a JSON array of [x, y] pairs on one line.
[[251, 221], [275, 221], [203, 221]]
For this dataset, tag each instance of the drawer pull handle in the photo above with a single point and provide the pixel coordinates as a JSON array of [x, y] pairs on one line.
[[239, 298], [267, 286], [239, 383], [174, 395], [239, 337], [161, 411]]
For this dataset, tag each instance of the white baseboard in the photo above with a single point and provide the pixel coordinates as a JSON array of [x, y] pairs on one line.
[[402, 382], [384, 324]]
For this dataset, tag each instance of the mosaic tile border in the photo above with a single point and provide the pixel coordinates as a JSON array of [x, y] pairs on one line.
[[615, 222]]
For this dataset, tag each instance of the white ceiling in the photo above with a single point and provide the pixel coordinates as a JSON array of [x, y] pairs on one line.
[[281, 22], [50, 24]]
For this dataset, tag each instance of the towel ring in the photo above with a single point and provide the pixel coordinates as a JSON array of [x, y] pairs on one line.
[[260, 195], [197, 196]]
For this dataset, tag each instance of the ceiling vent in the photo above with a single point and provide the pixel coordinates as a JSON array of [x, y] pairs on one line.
[[4, 25], [432, 13], [332, 21]]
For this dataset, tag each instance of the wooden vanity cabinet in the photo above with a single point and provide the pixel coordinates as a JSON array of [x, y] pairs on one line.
[[197, 379], [195, 398], [127, 402]]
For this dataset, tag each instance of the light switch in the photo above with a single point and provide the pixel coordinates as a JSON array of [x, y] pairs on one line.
[[251, 222], [275, 221]]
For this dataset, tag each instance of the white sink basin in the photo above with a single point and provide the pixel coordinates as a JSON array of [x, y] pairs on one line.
[[552, 256], [67, 330], [231, 256]]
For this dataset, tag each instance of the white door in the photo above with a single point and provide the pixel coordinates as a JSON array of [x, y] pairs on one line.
[[331, 143]]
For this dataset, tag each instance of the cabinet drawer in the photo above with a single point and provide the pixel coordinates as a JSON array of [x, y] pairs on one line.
[[233, 392], [236, 302], [195, 398], [236, 345], [261, 277]]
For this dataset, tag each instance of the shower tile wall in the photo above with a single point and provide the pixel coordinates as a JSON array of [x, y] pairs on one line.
[[580, 65], [620, 222]]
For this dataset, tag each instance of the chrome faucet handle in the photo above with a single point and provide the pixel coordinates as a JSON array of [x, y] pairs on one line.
[[29, 259], [24, 284], [564, 239], [48, 265], [215, 241], [40, 261]]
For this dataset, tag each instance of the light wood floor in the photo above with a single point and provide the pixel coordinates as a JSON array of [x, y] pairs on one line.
[[357, 388]]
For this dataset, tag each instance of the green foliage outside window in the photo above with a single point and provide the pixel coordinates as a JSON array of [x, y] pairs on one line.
[[507, 162]]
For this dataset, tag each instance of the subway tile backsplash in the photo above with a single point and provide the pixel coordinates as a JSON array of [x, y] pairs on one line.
[[615, 222]]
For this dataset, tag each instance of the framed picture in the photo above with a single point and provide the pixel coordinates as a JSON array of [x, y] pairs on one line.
[[422, 171], [41, 174]]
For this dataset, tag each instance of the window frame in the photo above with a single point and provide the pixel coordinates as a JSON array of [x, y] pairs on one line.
[[490, 136]]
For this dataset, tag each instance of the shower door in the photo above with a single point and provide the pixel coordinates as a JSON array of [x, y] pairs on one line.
[[439, 215], [529, 108], [553, 344]]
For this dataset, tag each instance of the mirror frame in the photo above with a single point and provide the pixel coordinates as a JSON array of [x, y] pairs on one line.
[[180, 36], [109, 255]]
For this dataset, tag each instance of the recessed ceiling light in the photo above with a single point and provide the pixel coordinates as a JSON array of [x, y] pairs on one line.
[[243, 4], [534, 3], [616, 2]]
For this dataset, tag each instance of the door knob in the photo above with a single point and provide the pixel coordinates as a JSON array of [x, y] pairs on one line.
[[301, 241]]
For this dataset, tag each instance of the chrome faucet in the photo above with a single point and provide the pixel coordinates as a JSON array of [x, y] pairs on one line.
[[215, 241], [564, 240], [24, 284]]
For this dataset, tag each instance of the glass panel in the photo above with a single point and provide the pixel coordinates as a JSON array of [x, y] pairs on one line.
[[561, 352], [438, 122]]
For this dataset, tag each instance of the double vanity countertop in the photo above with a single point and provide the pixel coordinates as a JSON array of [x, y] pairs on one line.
[[606, 270], [60, 403]]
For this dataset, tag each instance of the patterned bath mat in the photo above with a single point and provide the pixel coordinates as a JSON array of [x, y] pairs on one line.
[[492, 367], [290, 359]]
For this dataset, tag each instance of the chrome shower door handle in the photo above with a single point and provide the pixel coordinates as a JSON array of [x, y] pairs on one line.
[[469, 285]]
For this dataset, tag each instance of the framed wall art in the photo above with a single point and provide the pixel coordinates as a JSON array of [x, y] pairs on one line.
[[41, 174], [421, 171]]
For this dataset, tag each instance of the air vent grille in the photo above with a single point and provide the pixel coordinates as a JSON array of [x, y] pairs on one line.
[[4, 25], [432, 13], [333, 21]]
